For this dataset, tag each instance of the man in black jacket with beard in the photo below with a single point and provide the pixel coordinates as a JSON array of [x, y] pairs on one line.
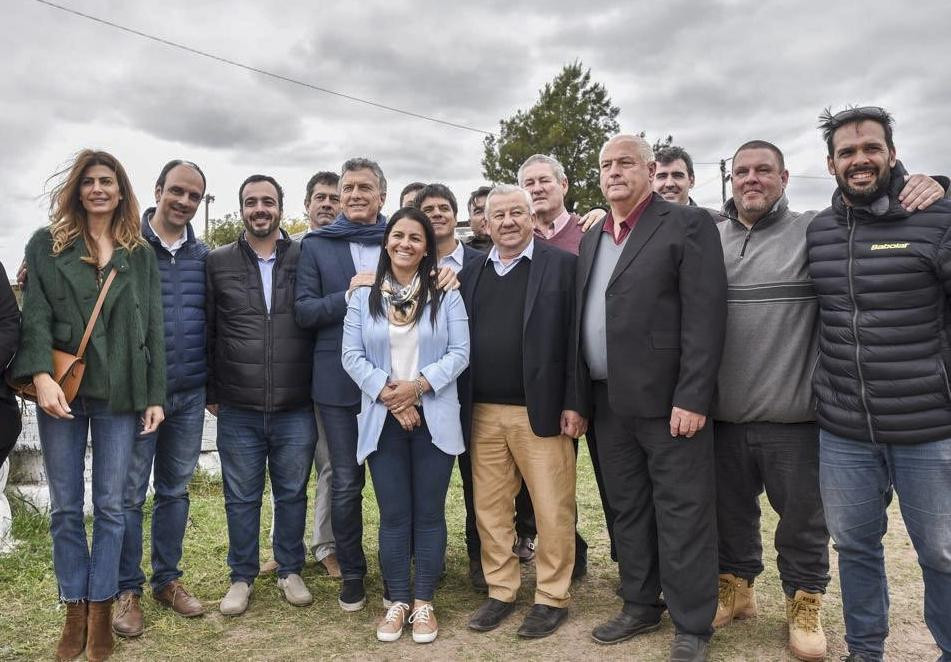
[[883, 279], [259, 387]]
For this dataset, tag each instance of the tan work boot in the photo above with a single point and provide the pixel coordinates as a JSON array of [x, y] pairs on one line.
[[127, 621], [73, 640], [807, 640], [736, 599]]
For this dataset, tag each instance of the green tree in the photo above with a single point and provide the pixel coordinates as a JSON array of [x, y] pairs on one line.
[[571, 120], [661, 144], [225, 230]]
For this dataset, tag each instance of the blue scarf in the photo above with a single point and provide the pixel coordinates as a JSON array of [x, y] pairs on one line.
[[345, 229]]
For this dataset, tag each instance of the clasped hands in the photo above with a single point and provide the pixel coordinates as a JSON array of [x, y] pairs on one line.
[[400, 398]]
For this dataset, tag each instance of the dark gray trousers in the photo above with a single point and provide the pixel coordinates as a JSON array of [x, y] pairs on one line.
[[783, 459]]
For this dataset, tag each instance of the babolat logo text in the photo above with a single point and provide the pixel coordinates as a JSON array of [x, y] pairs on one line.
[[885, 247]]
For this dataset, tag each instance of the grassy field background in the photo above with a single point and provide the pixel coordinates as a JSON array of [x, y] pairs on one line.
[[31, 617]]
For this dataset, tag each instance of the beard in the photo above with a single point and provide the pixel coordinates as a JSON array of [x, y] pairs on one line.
[[258, 232], [866, 195]]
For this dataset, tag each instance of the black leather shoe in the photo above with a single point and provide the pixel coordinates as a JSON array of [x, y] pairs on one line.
[[621, 628], [688, 648], [579, 570], [524, 549], [541, 621], [490, 614], [476, 576]]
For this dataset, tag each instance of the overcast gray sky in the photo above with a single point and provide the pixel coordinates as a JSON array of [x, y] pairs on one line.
[[713, 74]]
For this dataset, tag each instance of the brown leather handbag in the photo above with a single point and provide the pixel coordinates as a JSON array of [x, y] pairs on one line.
[[68, 368]]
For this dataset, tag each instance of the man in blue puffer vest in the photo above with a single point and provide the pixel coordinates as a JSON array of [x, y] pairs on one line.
[[176, 445]]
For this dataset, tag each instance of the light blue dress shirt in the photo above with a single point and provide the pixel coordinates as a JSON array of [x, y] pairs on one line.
[[266, 267], [502, 269]]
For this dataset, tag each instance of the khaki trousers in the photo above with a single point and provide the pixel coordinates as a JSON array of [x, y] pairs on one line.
[[504, 452]]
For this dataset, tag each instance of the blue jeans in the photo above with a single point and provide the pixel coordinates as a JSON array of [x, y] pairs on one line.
[[856, 479], [84, 574], [346, 504], [283, 443], [174, 448], [410, 477]]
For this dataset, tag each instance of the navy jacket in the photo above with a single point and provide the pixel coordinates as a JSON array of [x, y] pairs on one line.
[[323, 276], [183, 303]]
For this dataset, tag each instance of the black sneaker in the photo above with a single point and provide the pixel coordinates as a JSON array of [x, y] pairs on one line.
[[352, 596]]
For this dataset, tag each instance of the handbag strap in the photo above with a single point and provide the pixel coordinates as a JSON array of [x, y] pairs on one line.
[[95, 313]]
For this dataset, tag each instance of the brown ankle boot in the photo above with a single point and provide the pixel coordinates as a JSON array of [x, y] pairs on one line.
[[73, 641], [99, 639]]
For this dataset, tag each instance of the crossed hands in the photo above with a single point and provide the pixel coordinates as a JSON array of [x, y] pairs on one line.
[[400, 398]]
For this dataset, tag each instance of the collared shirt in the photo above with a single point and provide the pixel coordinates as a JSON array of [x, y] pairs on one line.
[[502, 269], [175, 245], [627, 224], [556, 227], [365, 256], [266, 267], [454, 259]]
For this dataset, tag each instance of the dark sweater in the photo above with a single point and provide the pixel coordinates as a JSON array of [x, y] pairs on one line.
[[497, 342]]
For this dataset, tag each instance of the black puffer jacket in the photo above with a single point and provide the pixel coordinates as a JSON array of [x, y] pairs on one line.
[[256, 359], [883, 278]]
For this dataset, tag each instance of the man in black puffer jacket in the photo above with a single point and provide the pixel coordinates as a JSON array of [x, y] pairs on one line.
[[259, 363], [883, 280]]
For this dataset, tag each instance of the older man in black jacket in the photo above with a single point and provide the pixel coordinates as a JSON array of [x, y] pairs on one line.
[[259, 387], [518, 409], [883, 279], [651, 288]]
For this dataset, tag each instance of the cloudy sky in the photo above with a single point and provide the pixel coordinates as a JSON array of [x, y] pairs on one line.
[[713, 74]]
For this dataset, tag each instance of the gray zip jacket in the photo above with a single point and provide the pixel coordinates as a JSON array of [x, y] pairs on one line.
[[772, 320]]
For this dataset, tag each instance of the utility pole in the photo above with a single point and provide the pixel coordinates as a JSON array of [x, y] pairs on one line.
[[209, 198], [724, 178]]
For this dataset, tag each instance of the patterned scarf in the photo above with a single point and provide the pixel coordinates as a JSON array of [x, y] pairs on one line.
[[401, 300]]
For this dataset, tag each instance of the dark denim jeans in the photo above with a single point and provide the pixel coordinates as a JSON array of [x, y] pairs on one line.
[[410, 477], [346, 504], [783, 459], [174, 449], [84, 574], [250, 442], [857, 478]]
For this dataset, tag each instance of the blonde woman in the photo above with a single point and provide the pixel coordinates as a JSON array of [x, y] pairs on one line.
[[93, 231]]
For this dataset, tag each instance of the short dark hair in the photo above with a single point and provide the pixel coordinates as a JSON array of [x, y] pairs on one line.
[[762, 144], [671, 153], [323, 177], [829, 123], [174, 163], [481, 192], [261, 178], [436, 191], [409, 188]]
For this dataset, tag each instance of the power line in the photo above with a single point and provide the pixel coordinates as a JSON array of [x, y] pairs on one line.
[[262, 72]]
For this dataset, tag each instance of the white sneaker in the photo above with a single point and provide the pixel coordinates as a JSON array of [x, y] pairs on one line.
[[236, 599], [391, 627], [295, 591], [425, 628]]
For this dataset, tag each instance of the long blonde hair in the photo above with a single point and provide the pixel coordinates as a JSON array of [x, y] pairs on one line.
[[68, 220]]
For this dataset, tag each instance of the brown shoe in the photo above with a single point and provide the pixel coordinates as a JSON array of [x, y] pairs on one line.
[[331, 565], [174, 596], [127, 620], [807, 640], [269, 567], [735, 600], [99, 631], [73, 640]]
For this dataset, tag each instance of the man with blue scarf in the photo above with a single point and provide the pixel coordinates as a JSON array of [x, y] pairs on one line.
[[335, 259]]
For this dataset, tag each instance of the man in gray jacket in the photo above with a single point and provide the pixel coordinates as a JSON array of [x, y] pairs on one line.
[[764, 423]]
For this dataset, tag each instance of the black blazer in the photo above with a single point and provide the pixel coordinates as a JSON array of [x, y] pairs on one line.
[[547, 359], [666, 313]]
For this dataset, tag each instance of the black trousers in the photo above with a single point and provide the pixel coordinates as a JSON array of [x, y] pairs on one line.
[[663, 492], [524, 516], [783, 458]]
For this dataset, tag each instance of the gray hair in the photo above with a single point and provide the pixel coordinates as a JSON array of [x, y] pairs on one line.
[[505, 189], [555, 165], [644, 151], [361, 163]]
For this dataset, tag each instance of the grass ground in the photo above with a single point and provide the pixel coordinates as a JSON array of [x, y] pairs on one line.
[[31, 617]]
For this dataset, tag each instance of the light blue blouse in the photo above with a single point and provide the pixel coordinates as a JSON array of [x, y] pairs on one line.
[[443, 356]]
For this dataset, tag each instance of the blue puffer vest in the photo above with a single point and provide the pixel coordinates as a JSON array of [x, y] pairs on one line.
[[183, 302]]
